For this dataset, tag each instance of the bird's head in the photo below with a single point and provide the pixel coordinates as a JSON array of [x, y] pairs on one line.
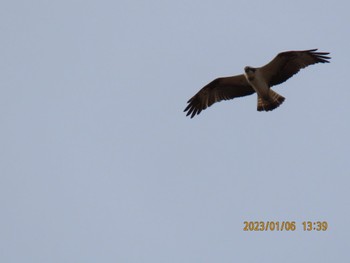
[[249, 70], [249, 73]]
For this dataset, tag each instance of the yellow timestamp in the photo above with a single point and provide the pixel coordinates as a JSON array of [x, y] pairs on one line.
[[284, 225], [315, 225], [269, 226]]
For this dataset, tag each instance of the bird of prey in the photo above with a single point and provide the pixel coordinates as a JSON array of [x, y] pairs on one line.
[[259, 80]]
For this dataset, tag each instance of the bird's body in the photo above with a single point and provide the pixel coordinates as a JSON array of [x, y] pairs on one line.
[[267, 98], [256, 80]]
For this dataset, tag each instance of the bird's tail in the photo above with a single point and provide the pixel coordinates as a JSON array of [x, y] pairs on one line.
[[271, 103]]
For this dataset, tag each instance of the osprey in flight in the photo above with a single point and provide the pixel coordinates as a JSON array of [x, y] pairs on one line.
[[259, 80]]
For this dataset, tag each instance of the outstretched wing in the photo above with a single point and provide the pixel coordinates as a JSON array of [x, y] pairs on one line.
[[286, 64], [217, 90]]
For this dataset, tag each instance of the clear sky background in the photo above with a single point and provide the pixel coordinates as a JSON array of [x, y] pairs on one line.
[[98, 162]]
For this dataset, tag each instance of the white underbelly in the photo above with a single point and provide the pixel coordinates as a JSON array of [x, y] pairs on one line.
[[261, 88]]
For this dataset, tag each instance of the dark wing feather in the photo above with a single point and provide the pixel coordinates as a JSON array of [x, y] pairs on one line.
[[217, 90], [286, 64]]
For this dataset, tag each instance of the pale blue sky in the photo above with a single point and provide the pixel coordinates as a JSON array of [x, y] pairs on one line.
[[98, 163]]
